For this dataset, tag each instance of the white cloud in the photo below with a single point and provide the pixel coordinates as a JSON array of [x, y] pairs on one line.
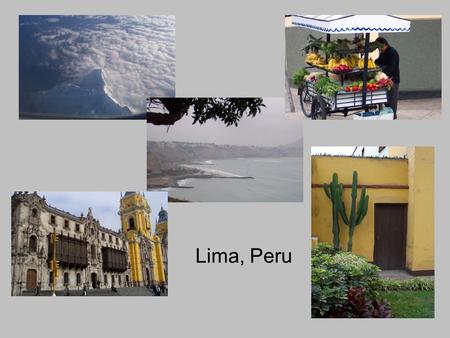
[[137, 53]]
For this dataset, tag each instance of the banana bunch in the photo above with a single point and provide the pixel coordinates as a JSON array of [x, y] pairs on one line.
[[353, 60], [370, 64], [345, 62], [333, 62], [311, 57], [315, 59]]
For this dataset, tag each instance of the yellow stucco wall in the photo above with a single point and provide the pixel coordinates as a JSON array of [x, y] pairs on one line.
[[370, 171], [420, 235], [398, 151], [417, 171]]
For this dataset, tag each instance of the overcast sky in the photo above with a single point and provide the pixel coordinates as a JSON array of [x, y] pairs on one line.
[[269, 128], [369, 151], [105, 205], [332, 150]]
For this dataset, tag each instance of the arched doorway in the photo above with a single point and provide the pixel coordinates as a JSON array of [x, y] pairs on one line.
[[31, 279], [94, 280]]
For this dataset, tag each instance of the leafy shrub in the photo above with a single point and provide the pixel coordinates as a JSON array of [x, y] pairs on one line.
[[333, 275], [359, 272], [324, 248], [358, 306], [413, 284], [329, 288], [298, 78]]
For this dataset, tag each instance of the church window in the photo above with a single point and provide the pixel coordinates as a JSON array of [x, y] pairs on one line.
[[66, 224], [131, 221], [66, 278], [33, 244], [78, 278], [34, 212], [93, 252], [77, 227], [52, 219]]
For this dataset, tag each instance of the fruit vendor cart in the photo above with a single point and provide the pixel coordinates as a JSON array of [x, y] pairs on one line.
[[343, 61]]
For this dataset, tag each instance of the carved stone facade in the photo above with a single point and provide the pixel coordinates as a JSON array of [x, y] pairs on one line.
[[88, 253]]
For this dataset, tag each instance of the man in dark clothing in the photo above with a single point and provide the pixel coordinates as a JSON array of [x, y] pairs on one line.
[[389, 62]]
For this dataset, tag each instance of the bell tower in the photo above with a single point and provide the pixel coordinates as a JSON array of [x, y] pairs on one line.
[[135, 218], [135, 214]]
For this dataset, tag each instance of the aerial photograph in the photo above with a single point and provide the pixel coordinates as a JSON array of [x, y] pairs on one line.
[[224, 150], [89, 243], [94, 67]]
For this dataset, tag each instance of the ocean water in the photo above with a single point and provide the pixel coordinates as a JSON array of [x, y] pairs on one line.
[[275, 180]]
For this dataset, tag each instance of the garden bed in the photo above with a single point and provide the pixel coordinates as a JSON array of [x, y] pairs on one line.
[[345, 285]]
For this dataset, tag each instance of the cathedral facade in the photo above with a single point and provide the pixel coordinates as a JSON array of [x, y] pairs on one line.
[[87, 254]]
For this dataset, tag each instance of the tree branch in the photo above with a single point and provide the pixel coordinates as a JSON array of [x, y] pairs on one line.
[[160, 119]]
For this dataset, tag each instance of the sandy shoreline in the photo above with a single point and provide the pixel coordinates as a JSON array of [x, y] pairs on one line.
[[183, 172]]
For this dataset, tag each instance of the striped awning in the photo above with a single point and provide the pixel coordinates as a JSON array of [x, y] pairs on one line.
[[339, 24]]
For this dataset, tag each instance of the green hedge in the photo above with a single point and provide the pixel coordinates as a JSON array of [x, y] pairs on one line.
[[413, 284]]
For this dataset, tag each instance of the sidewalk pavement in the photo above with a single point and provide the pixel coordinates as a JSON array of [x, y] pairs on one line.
[[420, 109], [399, 275]]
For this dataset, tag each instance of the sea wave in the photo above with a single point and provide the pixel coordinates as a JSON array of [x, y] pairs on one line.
[[214, 172], [184, 182]]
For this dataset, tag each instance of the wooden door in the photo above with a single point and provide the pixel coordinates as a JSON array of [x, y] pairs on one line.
[[390, 236], [31, 279]]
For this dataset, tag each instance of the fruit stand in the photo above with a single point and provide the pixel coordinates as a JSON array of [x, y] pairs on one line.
[[346, 80]]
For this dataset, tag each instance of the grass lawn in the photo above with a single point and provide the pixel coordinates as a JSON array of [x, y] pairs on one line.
[[410, 304]]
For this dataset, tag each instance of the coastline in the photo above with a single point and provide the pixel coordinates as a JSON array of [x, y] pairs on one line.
[[189, 171]]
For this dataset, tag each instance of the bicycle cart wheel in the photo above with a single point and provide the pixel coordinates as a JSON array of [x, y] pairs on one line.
[[305, 100], [318, 109]]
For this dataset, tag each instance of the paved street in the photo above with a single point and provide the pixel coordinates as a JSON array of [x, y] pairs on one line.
[[132, 291], [420, 109]]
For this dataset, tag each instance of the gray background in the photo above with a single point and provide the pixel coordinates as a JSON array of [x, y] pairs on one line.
[[223, 48]]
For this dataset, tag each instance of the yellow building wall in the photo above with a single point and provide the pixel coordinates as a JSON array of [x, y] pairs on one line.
[[371, 171], [135, 258], [139, 215], [420, 234], [417, 172], [158, 266]]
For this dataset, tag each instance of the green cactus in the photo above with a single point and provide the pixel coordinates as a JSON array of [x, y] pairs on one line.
[[357, 213], [334, 190]]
